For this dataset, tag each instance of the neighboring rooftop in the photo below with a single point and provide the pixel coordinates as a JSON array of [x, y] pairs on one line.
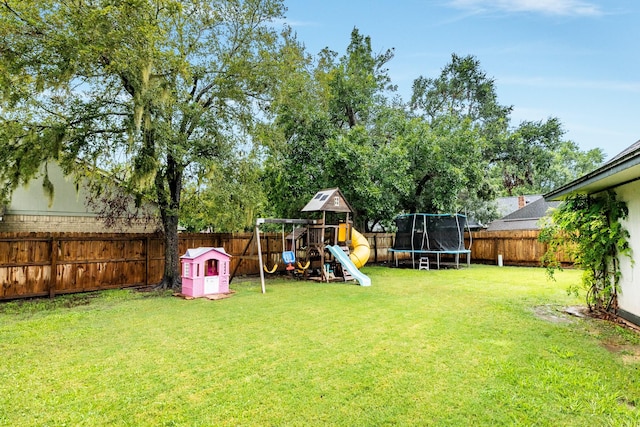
[[506, 205], [526, 218]]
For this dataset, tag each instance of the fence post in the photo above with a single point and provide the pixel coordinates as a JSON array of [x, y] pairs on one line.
[[53, 280], [375, 248], [146, 260]]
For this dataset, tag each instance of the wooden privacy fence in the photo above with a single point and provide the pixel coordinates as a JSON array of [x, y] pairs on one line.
[[518, 247], [41, 264], [46, 264]]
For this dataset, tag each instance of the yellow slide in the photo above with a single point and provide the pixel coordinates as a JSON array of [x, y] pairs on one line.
[[359, 249]]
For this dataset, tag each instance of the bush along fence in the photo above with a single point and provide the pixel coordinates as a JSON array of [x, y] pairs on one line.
[[47, 264]]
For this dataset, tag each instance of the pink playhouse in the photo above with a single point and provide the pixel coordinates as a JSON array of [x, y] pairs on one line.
[[205, 271]]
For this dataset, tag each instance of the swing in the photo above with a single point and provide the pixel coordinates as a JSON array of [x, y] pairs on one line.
[[273, 270], [301, 270], [288, 257]]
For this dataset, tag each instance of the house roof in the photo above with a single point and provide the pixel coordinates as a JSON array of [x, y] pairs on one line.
[[506, 205], [620, 170], [525, 218], [328, 200], [196, 252]]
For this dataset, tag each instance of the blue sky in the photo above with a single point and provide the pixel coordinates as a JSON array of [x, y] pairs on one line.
[[578, 60]]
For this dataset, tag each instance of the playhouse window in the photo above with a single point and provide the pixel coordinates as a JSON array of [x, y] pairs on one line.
[[212, 268], [187, 269]]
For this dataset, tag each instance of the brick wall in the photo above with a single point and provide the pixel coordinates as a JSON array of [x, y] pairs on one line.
[[84, 224]]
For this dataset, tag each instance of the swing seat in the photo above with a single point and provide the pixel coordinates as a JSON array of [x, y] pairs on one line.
[[301, 270], [288, 257], [273, 270]]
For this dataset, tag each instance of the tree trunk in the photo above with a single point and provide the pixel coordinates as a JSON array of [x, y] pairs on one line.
[[171, 279], [169, 192], [420, 186]]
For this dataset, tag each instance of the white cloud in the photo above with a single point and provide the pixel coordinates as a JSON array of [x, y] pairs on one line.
[[293, 23], [563, 83], [302, 23], [548, 7]]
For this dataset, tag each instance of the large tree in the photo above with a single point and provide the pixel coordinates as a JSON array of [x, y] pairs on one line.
[[370, 167], [324, 119], [296, 135], [225, 198], [536, 159], [491, 156], [147, 90], [462, 122], [461, 90]]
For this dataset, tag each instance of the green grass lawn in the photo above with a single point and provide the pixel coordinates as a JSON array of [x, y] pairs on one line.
[[479, 346]]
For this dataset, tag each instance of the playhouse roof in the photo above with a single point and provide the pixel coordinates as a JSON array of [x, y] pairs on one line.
[[328, 200], [197, 252]]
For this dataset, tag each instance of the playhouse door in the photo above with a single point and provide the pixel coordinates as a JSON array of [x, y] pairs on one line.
[[211, 285]]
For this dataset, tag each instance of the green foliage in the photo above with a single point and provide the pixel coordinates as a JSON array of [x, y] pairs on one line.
[[461, 90], [148, 91], [325, 118], [531, 157], [163, 95], [371, 174], [589, 228], [567, 163], [446, 160], [227, 198], [452, 150], [354, 82], [534, 158], [465, 123]]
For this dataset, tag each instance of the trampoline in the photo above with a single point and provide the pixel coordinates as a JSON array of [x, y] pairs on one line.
[[432, 234]]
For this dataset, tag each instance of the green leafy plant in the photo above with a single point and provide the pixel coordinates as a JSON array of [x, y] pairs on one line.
[[589, 228]]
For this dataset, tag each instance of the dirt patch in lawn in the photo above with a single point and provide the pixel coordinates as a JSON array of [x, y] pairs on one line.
[[615, 343], [628, 350], [552, 314], [629, 353]]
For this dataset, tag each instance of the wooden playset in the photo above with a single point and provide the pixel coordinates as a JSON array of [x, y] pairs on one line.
[[324, 248]]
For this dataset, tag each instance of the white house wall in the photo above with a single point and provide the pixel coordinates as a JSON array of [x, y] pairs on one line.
[[32, 199], [31, 210], [629, 298]]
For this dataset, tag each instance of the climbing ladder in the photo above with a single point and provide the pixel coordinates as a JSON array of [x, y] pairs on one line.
[[345, 273]]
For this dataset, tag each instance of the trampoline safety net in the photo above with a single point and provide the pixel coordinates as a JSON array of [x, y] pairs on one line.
[[430, 232]]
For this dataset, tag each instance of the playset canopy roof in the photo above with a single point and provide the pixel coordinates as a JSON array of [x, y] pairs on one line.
[[328, 200]]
